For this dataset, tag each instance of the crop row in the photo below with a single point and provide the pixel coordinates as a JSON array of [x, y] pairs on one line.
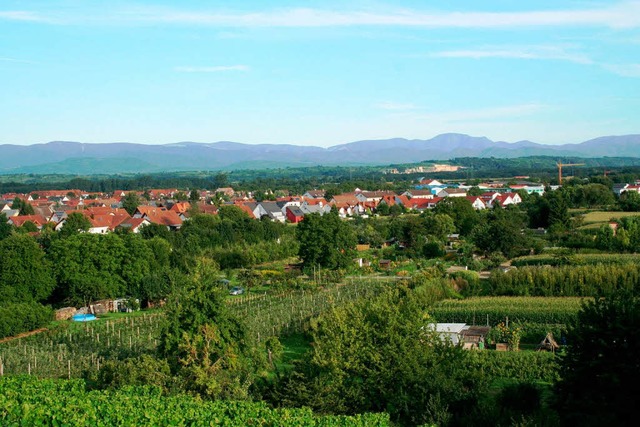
[[492, 310], [29, 401], [274, 315], [575, 259]]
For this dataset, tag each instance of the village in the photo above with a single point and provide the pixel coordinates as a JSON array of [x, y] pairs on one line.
[[171, 207]]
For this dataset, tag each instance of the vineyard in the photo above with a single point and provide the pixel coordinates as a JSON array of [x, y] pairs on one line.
[[274, 315], [70, 350], [29, 401]]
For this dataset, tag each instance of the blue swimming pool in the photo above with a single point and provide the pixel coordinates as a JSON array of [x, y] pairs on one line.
[[83, 317]]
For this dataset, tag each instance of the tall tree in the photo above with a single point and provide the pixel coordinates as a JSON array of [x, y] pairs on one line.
[[25, 274], [326, 241], [5, 228], [204, 343], [502, 232], [89, 267], [382, 355], [75, 223], [23, 206], [601, 372], [630, 201], [130, 202], [460, 209]]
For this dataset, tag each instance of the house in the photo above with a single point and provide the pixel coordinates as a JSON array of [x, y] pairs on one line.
[[13, 196], [102, 224], [164, 193], [345, 199], [452, 192], [431, 183], [618, 189], [373, 196], [20, 220], [418, 194], [208, 209], [134, 224], [394, 200], [161, 216], [272, 210], [505, 199], [463, 334], [347, 205], [290, 201], [477, 202], [182, 209], [226, 191], [10, 212], [635, 188], [529, 188], [419, 204], [314, 194], [294, 214], [431, 203], [247, 207], [450, 331], [314, 208]]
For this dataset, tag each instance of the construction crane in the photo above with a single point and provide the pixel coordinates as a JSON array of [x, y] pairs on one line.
[[560, 165]]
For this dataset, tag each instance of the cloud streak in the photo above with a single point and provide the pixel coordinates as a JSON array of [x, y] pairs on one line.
[[625, 14], [625, 70], [620, 15], [517, 52], [22, 15], [395, 106], [212, 69]]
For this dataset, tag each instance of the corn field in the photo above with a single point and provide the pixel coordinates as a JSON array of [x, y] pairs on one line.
[[493, 310]]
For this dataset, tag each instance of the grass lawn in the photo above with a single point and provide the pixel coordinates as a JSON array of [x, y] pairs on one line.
[[295, 346], [595, 219]]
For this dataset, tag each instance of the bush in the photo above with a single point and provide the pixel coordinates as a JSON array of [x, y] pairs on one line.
[[16, 318], [517, 365], [142, 370]]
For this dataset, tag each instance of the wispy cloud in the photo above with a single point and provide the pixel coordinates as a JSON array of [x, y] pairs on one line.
[[22, 15], [624, 14], [21, 61], [212, 69], [626, 70], [395, 106], [560, 53], [621, 15]]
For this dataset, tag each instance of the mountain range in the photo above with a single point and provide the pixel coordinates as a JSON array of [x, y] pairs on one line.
[[109, 158]]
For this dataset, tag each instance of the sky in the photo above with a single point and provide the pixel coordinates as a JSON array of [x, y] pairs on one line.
[[317, 72]]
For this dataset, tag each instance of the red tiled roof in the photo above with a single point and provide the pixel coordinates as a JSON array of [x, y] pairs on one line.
[[181, 207], [19, 220]]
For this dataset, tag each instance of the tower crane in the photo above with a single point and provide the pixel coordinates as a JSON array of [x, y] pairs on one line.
[[560, 165]]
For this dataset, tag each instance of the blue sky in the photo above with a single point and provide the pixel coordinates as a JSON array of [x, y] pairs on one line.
[[317, 72]]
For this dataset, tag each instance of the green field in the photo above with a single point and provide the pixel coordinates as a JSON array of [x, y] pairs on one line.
[[595, 219]]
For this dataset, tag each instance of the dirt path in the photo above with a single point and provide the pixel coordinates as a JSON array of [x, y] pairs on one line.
[[22, 335]]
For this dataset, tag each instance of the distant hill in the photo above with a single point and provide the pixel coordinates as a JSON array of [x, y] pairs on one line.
[[81, 158]]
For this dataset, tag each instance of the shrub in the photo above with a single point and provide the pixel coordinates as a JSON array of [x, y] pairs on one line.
[[16, 318]]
